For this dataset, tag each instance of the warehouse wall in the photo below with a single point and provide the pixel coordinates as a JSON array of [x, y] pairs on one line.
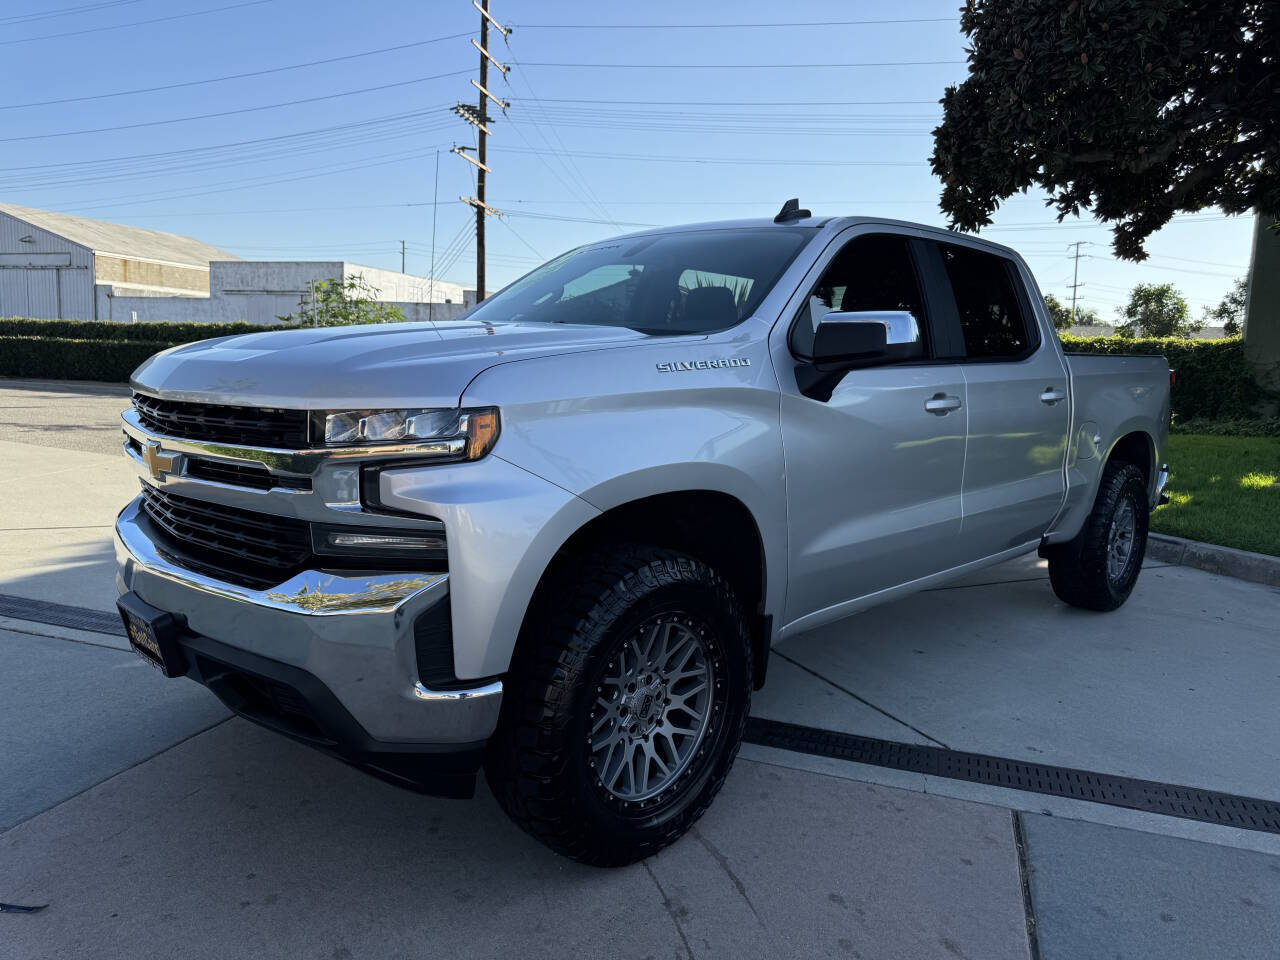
[[42, 275], [260, 291], [157, 274], [233, 308]]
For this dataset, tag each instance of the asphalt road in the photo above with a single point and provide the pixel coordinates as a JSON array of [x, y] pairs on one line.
[[154, 825]]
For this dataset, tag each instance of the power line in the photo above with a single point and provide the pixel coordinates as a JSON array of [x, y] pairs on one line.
[[223, 159], [800, 161], [64, 11], [742, 103], [743, 66], [241, 110], [565, 157], [723, 25], [230, 76], [137, 23], [188, 151], [376, 160]]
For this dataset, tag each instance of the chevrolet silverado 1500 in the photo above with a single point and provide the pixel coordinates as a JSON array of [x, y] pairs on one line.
[[556, 538]]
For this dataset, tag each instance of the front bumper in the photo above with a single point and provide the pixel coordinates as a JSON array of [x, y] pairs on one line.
[[344, 640]]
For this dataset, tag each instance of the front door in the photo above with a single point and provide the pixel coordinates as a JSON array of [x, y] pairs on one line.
[[873, 474]]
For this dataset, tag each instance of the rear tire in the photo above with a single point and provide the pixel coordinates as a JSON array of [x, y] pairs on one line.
[[1098, 569], [625, 706]]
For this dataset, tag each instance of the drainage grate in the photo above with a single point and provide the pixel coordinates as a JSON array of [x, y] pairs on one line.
[[61, 615], [1190, 803]]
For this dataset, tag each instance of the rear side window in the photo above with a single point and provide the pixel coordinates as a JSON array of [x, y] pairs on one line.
[[991, 316]]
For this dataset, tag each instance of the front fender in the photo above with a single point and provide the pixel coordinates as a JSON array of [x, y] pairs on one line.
[[610, 427], [502, 525]]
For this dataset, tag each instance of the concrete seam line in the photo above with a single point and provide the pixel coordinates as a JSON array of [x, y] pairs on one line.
[[861, 700], [1024, 880], [118, 773], [1226, 561]]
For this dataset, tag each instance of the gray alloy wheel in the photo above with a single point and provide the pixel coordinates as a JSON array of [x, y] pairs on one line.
[[1120, 541], [652, 709]]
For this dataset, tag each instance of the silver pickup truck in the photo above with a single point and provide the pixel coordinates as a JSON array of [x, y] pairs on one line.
[[556, 538]]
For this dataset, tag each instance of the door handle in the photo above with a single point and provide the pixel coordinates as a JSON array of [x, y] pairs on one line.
[[1052, 395], [940, 404]]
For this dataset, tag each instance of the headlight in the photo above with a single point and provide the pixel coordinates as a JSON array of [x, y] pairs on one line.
[[448, 434]]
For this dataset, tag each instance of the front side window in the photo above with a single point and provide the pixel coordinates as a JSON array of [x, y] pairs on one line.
[[871, 273], [689, 282], [991, 316]]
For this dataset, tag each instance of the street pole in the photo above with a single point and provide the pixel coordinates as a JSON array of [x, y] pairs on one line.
[[402, 256], [1075, 277], [435, 209], [480, 151]]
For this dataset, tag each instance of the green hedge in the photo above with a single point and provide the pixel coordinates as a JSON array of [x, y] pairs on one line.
[[63, 359], [1262, 427], [1214, 381], [149, 332], [92, 350]]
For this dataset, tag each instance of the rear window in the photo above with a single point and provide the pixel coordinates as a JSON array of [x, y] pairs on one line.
[[692, 282], [991, 315]]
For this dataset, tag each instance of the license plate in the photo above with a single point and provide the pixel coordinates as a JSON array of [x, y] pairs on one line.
[[153, 634]]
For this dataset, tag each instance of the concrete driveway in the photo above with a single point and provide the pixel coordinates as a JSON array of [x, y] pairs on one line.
[[154, 825]]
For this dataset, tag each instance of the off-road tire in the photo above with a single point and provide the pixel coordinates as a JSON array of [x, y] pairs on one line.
[[1078, 569], [538, 763]]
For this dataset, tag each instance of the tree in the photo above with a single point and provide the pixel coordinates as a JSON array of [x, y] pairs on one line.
[[1230, 312], [1061, 314], [1155, 310], [1132, 109], [334, 303]]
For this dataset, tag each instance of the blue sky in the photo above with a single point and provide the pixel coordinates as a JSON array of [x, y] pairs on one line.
[[349, 175]]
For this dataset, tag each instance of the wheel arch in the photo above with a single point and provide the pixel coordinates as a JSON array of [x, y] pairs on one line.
[[714, 526]]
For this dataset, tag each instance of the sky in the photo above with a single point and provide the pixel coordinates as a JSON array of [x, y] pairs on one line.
[[622, 116]]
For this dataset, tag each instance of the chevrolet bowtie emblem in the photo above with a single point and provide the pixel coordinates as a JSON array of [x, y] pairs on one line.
[[158, 464]]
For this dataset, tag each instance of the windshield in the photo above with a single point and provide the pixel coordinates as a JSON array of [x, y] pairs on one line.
[[694, 282]]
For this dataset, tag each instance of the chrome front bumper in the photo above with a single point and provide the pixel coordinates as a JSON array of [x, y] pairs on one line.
[[353, 632]]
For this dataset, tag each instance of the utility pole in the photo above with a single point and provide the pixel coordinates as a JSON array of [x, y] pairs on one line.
[[479, 118], [435, 209], [402, 256], [1075, 276]]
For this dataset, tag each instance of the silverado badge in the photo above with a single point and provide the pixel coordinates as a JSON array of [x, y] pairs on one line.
[[677, 366]]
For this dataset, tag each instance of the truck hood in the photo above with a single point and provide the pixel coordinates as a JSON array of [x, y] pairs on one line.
[[379, 365]]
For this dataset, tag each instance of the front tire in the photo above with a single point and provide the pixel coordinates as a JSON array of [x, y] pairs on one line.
[[625, 706], [1098, 569]]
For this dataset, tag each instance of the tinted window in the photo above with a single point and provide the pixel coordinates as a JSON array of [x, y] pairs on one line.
[[691, 282], [991, 318], [870, 273]]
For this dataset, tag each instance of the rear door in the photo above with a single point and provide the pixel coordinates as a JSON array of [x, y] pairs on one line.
[[874, 456], [1018, 406]]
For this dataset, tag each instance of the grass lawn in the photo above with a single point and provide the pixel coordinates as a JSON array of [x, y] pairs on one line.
[[1223, 490]]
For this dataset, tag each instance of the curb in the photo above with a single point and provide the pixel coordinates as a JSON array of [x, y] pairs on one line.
[[1241, 564]]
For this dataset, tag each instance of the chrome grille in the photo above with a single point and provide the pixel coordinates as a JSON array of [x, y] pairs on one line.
[[240, 546], [249, 426]]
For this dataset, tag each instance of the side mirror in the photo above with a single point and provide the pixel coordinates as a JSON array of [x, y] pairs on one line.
[[866, 338]]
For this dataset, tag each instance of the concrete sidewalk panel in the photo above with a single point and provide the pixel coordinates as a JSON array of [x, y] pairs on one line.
[[72, 715], [1106, 892], [241, 843], [1176, 686]]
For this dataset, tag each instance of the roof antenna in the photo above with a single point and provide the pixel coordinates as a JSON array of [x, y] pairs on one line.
[[791, 211]]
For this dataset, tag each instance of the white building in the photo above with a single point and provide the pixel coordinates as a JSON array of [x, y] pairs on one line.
[[57, 266], [51, 263]]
